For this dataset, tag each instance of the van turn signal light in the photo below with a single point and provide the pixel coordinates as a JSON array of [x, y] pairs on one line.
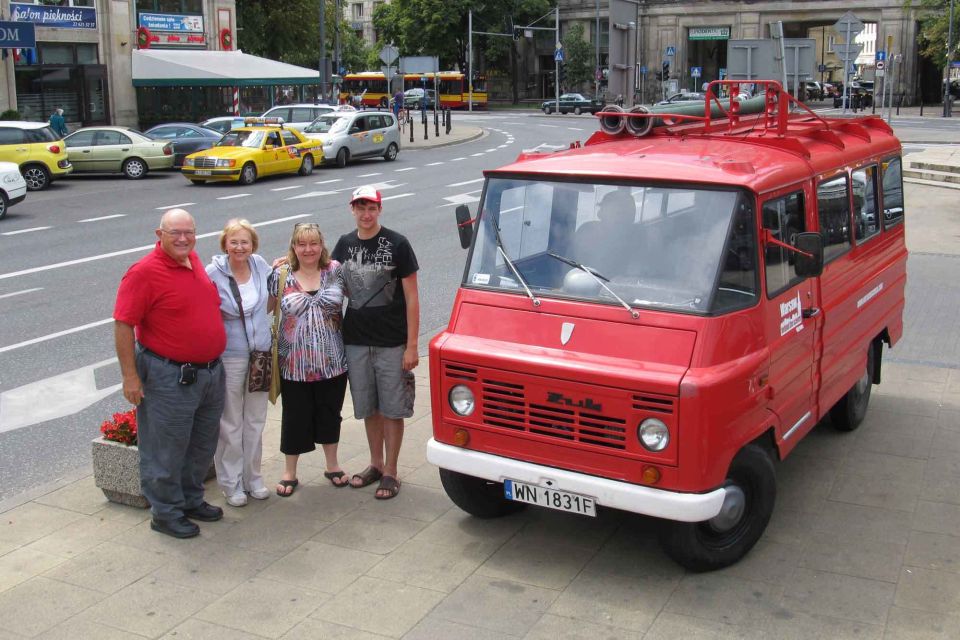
[[651, 475], [461, 437]]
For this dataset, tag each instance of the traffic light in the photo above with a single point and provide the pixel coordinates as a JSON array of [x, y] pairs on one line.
[[666, 70]]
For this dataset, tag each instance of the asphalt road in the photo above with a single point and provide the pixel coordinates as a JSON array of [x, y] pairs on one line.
[[64, 250]]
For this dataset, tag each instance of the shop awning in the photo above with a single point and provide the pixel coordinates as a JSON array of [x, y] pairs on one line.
[[169, 68]]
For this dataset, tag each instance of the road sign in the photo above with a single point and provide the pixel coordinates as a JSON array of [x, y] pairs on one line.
[[695, 72], [17, 35], [643, 70], [879, 73], [847, 52], [388, 72], [821, 68], [848, 23], [881, 65], [558, 55], [671, 51], [881, 56], [389, 54]]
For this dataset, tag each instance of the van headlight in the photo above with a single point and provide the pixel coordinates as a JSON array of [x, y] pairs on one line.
[[461, 400], [653, 434]]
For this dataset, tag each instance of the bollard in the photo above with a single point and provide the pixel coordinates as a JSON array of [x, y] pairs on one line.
[[424, 127], [436, 123], [449, 120], [410, 123], [443, 114]]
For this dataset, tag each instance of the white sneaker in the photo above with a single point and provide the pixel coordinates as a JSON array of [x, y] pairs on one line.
[[238, 499], [260, 494]]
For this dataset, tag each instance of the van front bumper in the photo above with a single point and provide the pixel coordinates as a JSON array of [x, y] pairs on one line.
[[658, 503]]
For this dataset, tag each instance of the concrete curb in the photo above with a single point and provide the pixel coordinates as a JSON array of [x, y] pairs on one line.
[[480, 133]]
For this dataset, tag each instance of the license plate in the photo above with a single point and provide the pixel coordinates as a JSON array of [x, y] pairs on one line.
[[550, 498], [202, 172]]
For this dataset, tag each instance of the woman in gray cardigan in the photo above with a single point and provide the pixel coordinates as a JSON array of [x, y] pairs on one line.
[[244, 414]]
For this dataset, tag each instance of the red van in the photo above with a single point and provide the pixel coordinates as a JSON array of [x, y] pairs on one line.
[[651, 321]]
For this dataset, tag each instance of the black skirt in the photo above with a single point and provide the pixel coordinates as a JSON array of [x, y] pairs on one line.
[[311, 413]]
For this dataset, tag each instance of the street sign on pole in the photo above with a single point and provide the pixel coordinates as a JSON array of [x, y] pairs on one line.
[[848, 26], [671, 51], [558, 55], [881, 56], [848, 23], [695, 72], [881, 65], [389, 54]]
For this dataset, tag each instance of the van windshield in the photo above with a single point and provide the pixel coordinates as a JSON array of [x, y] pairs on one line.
[[682, 248]]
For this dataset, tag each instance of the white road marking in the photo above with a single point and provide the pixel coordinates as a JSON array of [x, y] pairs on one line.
[[296, 186], [489, 150], [457, 159], [116, 215], [20, 293], [329, 181], [502, 146], [404, 169], [574, 129], [236, 195], [516, 123], [433, 164], [112, 254], [549, 126], [367, 175], [54, 397], [460, 184], [462, 198], [51, 336], [30, 230], [311, 194], [174, 206], [474, 155], [399, 195]]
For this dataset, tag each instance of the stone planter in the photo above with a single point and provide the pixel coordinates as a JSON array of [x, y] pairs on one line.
[[116, 470]]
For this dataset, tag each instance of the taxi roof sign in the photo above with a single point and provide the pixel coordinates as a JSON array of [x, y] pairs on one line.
[[261, 121]]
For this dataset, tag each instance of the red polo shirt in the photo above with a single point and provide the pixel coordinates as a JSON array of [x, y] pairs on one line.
[[175, 310]]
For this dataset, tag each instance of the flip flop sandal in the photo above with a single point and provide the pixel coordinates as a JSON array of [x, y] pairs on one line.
[[389, 484], [292, 484], [333, 476], [367, 477]]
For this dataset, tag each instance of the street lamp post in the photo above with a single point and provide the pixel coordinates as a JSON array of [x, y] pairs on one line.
[[947, 104], [596, 70]]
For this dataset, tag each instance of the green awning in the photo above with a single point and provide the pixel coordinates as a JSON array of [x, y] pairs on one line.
[[191, 68]]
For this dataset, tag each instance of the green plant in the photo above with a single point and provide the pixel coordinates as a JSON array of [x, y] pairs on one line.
[[11, 114]]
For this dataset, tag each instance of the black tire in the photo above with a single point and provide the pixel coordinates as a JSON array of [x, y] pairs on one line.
[[306, 167], [248, 174], [198, 181], [4, 205], [576, 111], [724, 539], [476, 496], [342, 157], [547, 110], [392, 151], [36, 175], [134, 168], [850, 411]]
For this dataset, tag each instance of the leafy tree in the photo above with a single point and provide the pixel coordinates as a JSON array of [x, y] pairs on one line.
[[934, 16], [426, 27], [577, 56]]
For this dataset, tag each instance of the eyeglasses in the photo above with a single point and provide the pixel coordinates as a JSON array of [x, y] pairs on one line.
[[176, 234], [306, 225]]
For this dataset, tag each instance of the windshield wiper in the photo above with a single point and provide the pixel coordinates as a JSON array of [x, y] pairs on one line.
[[599, 277], [506, 258]]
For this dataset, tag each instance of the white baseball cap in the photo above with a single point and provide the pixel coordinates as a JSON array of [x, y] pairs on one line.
[[366, 193]]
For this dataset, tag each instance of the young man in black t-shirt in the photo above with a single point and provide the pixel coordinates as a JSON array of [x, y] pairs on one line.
[[380, 331]]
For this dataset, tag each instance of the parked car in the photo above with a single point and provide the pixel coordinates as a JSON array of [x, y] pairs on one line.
[[223, 123], [360, 134], [13, 188], [813, 91], [117, 150], [413, 98], [36, 149], [690, 96], [185, 137], [575, 102], [857, 91], [297, 116], [262, 147]]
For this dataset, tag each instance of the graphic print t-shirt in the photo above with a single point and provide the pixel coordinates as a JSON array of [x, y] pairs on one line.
[[372, 270]]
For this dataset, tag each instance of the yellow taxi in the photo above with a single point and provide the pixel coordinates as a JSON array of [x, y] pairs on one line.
[[262, 147]]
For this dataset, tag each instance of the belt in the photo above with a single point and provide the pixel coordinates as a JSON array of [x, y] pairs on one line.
[[196, 365]]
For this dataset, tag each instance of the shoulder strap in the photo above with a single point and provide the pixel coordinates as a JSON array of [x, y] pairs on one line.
[[236, 296], [281, 283]]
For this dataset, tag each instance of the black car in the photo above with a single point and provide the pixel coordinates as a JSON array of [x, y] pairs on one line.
[[185, 137], [574, 102]]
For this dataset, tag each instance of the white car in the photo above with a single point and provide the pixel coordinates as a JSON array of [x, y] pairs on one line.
[[13, 188], [298, 116], [346, 135]]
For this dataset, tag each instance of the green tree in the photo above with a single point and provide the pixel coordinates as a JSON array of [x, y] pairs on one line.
[[934, 17], [577, 56], [426, 27]]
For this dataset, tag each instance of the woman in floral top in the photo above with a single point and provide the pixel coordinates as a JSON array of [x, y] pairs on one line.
[[313, 367]]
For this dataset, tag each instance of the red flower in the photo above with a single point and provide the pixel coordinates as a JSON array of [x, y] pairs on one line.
[[122, 428]]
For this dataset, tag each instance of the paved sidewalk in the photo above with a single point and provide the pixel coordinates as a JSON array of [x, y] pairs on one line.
[[459, 132]]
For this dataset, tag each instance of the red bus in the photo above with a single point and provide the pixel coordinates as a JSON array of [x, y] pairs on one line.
[[371, 86], [650, 322]]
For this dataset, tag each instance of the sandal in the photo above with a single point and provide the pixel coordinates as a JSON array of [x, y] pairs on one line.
[[283, 485], [334, 476], [389, 484], [366, 477]]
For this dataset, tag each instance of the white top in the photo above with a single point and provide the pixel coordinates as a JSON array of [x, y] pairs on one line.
[[248, 296]]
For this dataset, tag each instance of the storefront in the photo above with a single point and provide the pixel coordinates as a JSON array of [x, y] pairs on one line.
[[707, 51]]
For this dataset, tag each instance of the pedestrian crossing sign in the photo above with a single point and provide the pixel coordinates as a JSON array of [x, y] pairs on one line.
[[558, 55]]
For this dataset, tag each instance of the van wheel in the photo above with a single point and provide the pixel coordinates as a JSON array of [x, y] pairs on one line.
[[391, 153], [306, 167], [342, 156], [248, 175], [476, 496], [134, 168], [728, 536], [36, 176], [850, 411]]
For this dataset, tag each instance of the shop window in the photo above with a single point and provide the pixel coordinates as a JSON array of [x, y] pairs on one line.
[[170, 6], [56, 53], [866, 222], [60, 3], [784, 218], [41, 90], [87, 54], [833, 208]]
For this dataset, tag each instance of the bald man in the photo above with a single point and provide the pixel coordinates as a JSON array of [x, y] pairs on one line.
[[169, 337]]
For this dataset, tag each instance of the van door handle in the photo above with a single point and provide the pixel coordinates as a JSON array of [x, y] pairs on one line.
[[125, 149], [811, 312]]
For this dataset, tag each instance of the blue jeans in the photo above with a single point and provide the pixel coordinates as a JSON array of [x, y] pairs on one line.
[[178, 426]]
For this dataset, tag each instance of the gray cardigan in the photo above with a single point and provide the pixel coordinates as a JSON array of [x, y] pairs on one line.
[[258, 322]]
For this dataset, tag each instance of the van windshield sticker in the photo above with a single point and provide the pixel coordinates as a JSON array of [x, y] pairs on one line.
[[791, 316], [481, 278]]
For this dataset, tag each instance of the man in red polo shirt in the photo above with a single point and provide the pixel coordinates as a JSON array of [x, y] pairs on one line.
[[169, 337]]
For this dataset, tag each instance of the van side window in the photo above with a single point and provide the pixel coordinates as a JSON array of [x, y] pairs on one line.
[[783, 217], [866, 222], [892, 192], [833, 208], [737, 287]]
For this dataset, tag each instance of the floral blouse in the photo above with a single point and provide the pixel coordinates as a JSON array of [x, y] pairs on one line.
[[310, 345]]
